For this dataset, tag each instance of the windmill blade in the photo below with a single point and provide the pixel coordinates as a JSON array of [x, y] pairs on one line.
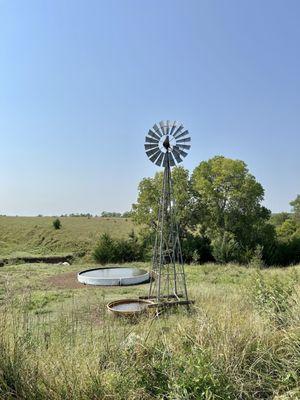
[[173, 127], [159, 160], [168, 126], [181, 152], [183, 146], [150, 146], [157, 130], [150, 140], [178, 130], [155, 155], [183, 140], [153, 151], [177, 155], [177, 136], [162, 127], [153, 135], [171, 159]]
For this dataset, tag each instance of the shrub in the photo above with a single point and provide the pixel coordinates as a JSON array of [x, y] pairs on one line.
[[56, 224], [257, 258], [105, 250], [225, 248], [118, 250], [196, 249], [286, 252]]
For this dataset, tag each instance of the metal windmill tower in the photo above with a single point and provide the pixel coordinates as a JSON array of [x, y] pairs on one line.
[[166, 145]]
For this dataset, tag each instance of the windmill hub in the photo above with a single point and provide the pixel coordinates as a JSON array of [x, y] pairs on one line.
[[166, 143]]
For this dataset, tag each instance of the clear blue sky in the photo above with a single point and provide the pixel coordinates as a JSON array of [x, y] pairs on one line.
[[81, 82]]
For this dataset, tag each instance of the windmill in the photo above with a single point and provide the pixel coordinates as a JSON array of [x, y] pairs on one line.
[[166, 144]]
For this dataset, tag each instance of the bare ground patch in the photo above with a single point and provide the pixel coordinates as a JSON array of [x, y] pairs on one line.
[[67, 280]]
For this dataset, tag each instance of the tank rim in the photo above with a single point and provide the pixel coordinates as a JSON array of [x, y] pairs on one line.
[[126, 312]]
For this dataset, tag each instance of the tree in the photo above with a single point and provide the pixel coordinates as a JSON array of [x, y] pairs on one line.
[[232, 199], [56, 224], [288, 236], [107, 214], [145, 210], [127, 214], [220, 206], [296, 207], [287, 229], [279, 218]]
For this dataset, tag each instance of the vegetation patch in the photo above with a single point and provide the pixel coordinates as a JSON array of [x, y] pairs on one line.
[[62, 344]]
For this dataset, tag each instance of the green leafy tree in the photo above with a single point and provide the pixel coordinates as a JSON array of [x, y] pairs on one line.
[[234, 217], [127, 214], [287, 229], [288, 236], [220, 204], [145, 210], [296, 207], [279, 218]]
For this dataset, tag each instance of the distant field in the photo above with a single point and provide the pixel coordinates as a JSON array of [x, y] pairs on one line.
[[20, 236]]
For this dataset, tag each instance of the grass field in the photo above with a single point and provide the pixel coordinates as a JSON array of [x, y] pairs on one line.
[[57, 342], [23, 236], [241, 341]]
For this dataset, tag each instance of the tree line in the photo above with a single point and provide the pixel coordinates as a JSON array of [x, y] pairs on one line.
[[221, 216], [104, 214]]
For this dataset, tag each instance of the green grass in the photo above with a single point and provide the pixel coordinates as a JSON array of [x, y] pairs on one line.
[[241, 341], [23, 236]]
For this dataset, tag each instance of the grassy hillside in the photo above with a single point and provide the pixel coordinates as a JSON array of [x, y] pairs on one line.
[[241, 340], [36, 235]]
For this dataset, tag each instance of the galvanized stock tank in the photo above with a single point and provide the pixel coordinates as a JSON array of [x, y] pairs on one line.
[[113, 276]]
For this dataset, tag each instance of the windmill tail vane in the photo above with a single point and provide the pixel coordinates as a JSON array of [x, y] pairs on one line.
[[166, 144]]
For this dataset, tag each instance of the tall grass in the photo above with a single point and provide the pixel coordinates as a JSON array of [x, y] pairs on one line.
[[226, 348]]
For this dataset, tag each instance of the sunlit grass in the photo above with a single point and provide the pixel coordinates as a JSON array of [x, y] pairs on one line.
[[25, 236], [62, 343]]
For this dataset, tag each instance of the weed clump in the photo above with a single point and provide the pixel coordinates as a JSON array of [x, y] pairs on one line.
[[273, 298]]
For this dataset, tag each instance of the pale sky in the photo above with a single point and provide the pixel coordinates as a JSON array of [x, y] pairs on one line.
[[81, 82]]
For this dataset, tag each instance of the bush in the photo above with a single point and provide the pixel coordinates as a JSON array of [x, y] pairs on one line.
[[225, 248], [118, 250], [196, 249], [105, 250], [288, 252], [283, 252], [257, 258], [56, 224]]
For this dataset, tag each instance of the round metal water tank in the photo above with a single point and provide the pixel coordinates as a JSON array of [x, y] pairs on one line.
[[113, 276]]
